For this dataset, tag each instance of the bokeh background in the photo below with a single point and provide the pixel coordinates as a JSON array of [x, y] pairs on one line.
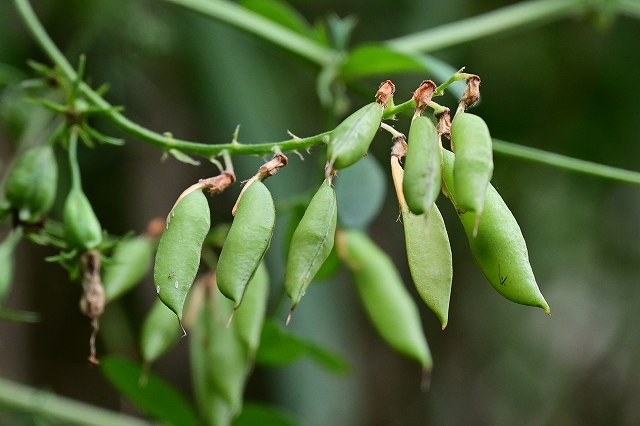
[[569, 86]]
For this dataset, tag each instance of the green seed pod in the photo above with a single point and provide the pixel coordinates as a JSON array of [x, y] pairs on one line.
[[219, 359], [178, 255], [31, 184], [130, 262], [7, 248], [350, 141], [250, 315], [160, 331], [247, 241], [384, 296], [422, 179], [473, 166], [311, 243], [428, 251], [499, 247], [82, 229]]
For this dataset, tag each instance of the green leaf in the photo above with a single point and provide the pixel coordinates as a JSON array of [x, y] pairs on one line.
[[377, 59], [279, 348], [156, 397], [281, 13], [258, 414], [361, 190]]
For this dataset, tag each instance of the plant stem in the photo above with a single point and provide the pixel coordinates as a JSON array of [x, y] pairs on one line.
[[250, 22], [494, 22], [564, 162], [157, 139], [65, 410]]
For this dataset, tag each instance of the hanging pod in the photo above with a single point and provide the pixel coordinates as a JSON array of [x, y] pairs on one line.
[[422, 181], [178, 256], [428, 251], [31, 184], [350, 141], [160, 331], [7, 249], [82, 230], [250, 316], [473, 166], [311, 243], [130, 262], [247, 241], [498, 247], [384, 296]]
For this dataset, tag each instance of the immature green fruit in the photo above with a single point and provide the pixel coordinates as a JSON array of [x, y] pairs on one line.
[[250, 316], [178, 255], [31, 185], [350, 141], [160, 331], [473, 165], [130, 262], [246, 242], [428, 251], [82, 229], [311, 243], [499, 247], [384, 296], [422, 179], [7, 248]]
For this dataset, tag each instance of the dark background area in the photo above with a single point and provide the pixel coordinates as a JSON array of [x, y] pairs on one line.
[[569, 87]]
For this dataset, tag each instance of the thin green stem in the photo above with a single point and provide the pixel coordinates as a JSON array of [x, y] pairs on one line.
[[76, 182], [163, 141], [65, 410], [564, 162], [391, 111], [253, 23], [495, 22]]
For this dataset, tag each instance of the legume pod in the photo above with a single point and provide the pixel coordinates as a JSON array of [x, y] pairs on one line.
[[350, 141], [31, 184], [384, 296], [311, 243], [246, 242], [160, 331], [428, 251], [499, 247], [7, 248], [130, 262], [473, 166], [178, 255], [250, 315], [422, 181], [82, 229]]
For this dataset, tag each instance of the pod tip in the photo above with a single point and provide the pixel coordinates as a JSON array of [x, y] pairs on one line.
[[235, 308], [290, 315], [425, 382]]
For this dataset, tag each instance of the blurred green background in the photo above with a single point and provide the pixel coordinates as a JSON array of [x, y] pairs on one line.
[[569, 87]]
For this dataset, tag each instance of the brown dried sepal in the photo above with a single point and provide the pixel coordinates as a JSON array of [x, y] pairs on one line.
[[385, 92], [399, 148], [444, 123], [423, 94], [272, 166], [471, 93], [268, 169], [219, 183], [93, 299]]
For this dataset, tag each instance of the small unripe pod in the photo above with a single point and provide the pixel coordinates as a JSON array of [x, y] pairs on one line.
[[350, 141], [82, 229], [31, 184]]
